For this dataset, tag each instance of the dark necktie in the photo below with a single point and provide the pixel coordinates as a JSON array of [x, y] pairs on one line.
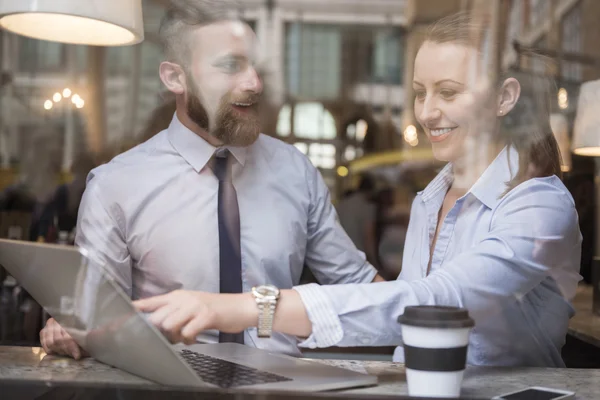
[[229, 236]]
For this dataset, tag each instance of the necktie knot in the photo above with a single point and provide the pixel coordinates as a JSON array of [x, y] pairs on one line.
[[222, 166]]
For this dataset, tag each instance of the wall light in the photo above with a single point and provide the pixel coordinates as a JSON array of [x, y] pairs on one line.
[[563, 99]]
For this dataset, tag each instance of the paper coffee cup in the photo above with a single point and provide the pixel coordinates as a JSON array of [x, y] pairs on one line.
[[435, 339]]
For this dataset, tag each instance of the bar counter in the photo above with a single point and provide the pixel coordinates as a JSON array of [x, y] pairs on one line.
[[30, 368]]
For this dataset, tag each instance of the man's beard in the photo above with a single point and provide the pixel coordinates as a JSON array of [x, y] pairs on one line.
[[231, 127]]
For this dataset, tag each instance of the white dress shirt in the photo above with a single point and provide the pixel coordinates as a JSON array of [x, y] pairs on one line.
[[512, 260], [150, 215]]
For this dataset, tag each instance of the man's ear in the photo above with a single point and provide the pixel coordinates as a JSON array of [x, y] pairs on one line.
[[172, 76], [509, 95]]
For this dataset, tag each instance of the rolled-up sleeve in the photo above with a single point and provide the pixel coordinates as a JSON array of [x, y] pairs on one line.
[[327, 329], [533, 235], [330, 253], [100, 234]]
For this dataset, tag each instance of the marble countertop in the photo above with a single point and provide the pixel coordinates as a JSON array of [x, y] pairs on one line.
[[585, 325], [32, 364]]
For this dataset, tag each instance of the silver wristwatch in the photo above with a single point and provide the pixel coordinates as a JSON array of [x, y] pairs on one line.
[[266, 297]]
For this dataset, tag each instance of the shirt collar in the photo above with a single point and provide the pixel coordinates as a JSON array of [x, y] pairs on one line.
[[440, 184], [195, 150], [490, 186]]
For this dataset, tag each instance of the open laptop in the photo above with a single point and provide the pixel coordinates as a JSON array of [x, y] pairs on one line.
[[95, 311]]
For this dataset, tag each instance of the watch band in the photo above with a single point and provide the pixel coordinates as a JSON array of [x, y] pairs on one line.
[[266, 311], [266, 297]]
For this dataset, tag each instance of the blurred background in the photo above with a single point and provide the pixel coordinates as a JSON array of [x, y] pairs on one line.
[[338, 77]]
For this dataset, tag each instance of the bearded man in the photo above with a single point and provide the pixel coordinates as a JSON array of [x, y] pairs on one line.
[[211, 204]]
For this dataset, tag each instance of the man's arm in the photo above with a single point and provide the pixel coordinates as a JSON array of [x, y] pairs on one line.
[[100, 231], [330, 253], [100, 235]]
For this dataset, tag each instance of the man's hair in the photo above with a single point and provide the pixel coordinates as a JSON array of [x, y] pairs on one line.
[[184, 15]]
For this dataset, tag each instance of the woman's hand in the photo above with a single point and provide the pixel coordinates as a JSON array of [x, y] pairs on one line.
[[183, 314]]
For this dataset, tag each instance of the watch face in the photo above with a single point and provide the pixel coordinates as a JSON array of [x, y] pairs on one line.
[[267, 291]]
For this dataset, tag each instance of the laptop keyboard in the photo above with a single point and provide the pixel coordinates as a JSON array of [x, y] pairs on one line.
[[226, 374]]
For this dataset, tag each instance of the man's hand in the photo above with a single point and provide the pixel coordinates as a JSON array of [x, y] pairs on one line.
[[55, 340], [183, 314]]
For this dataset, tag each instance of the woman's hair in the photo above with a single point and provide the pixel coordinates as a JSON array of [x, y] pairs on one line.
[[534, 141]]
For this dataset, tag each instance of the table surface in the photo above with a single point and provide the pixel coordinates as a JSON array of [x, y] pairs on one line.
[[32, 364], [585, 325]]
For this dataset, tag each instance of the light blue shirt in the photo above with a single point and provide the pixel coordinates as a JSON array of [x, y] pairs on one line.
[[150, 215], [512, 260]]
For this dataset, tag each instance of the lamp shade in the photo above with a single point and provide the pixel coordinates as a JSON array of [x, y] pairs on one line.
[[586, 134], [90, 22]]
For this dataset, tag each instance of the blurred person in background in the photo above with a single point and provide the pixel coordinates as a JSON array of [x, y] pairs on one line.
[[356, 212], [393, 221], [384, 203], [38, 174], [59, 216], [22, 205], [495, 232], [211, 204]]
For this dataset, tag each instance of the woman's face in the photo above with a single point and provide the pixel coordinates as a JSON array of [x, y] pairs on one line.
[[453, 100]]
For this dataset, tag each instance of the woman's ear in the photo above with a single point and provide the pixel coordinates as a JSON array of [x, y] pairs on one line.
[[172, 76], [509, 95]]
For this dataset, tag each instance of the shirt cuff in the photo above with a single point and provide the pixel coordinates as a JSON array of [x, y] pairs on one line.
[[326, 326]]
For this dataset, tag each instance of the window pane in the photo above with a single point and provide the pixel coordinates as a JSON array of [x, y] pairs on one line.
[[387, 57], [303, 147], [283, 121], [328, 150], [312, 121], [40, 55], [571, 41], [327, 162], [313, 61], [322, 155], [315, 149]]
